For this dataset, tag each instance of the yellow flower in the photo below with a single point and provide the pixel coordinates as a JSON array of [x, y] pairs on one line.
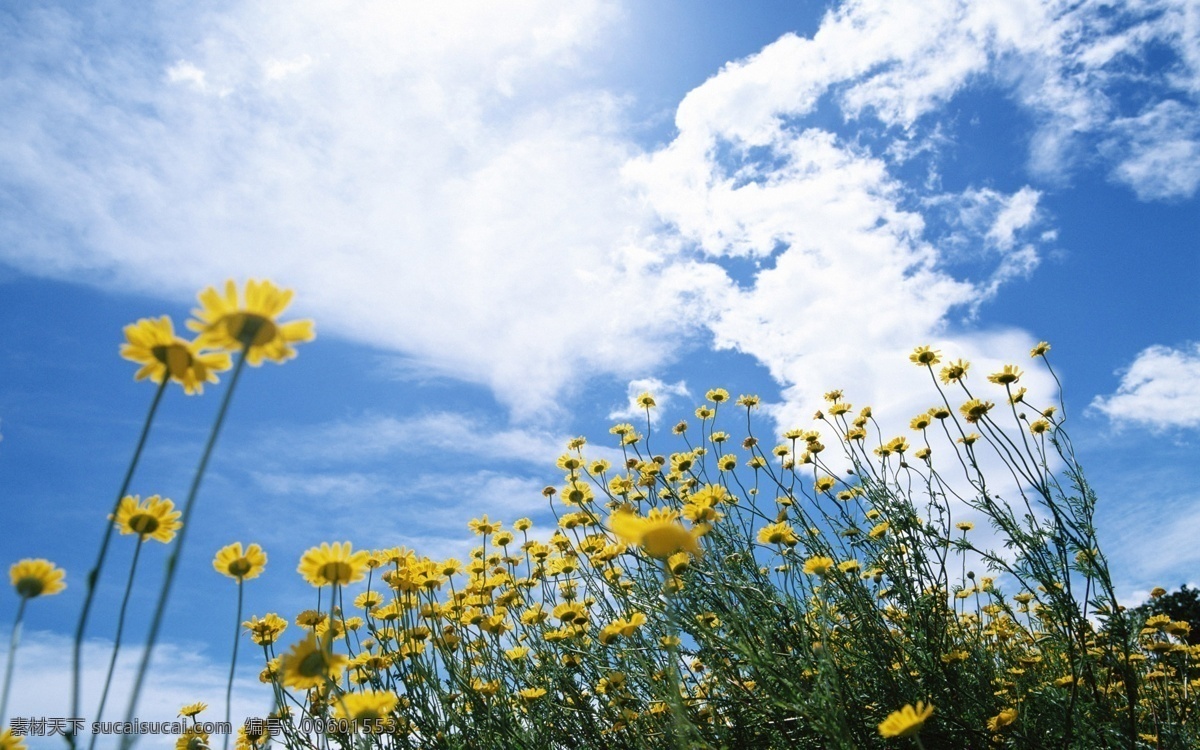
[[368, 705], [954, 372], [1002, 719], [907, 721], [974, 409], [333, 564], [311, 663], [152, 343], [266, 631], [224, 322], [645, 400], [192, 709], [659, 534], [36, 577], [193, 739], [819, 565], [532, 694], [10, 741], [717, 395], [923, 355], [240, 565], [156, 518], [1039, 350], [778, 533], [1009, 374], [483, 527]]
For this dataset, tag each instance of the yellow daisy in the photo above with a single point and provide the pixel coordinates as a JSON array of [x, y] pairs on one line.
[[239, 564], [659, 534], [192, 739], [192, 709], [907, 721], [334, 564], [267, 630], [311, 663], [819, 565], [224, 321], [10, 741], [155, 518], [152, 343], [36, 577], [366, 705]]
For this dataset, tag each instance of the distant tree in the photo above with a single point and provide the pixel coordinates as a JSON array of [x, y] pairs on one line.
[[1183, 604]]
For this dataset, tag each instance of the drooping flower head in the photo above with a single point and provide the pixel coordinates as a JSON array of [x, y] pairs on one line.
[[224, 321], [311, 663], [155, 518], [370, 704], [907, 721], [333, 564], [659, 534], [267, 630], [36, 577], [152, 343], [239, 564], [192, 739]]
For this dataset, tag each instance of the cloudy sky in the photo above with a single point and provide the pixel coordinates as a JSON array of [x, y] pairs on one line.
[[506, 218]]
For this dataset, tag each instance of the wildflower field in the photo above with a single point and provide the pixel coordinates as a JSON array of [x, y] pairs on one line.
[[717, 587]]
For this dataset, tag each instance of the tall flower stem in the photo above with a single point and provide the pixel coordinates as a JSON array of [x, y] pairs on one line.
[[94, 575], [173, 561], [112, 661], [237, 631], [12, 657]]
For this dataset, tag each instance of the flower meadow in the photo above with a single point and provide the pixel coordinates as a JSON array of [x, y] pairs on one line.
[[717, 587]]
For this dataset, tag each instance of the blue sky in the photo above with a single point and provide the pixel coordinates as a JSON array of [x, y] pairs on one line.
[[507, 219]]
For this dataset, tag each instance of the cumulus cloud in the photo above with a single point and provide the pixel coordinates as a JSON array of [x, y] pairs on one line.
[[1160, 389], [663, 393], [180, 674], [443, 182]]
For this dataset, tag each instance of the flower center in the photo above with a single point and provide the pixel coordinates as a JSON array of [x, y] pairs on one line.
[[176, 357], [239, 567], [143, 523], [336, 572], [250, 329], [29, 587], [313, 665]]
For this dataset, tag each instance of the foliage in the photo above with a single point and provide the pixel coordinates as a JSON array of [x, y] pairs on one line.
[[724, 592]]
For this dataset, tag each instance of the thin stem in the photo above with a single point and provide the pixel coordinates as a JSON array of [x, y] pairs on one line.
[[237, 631], [112, 661], [173, 561], [12, 657], [94, 575]]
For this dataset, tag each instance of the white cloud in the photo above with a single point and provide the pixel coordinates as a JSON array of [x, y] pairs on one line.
[[435, 180], [442, 181], [375, 436], [1160, 389], [663, 393], [1160, 151], [179, 674]]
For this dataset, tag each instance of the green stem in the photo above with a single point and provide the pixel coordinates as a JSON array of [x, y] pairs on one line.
[[94, 575], [112, 661], [12, 657], [237, 631], [173, 561]]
